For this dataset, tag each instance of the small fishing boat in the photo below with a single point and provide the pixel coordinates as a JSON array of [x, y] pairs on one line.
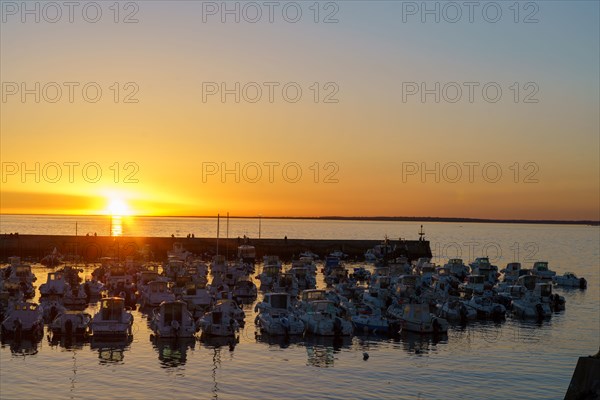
[[569, 279], [231, 309], [458, 268], [245, 289], [482, 266], [75, 298], [23, 318], [455, 310], [71, 323], [474, 284], [155, 293], [198, 299], [321, 319], [370, 320], [112, 319], [276, 316], [486, 307], [52, 259], [530, 306], [56, 284], [172, 319], [51, 306], [511, 272], [217, 323], [417, 318], [541, 270]]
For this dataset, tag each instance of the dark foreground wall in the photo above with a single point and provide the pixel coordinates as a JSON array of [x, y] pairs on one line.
[[90, 248], [585, 383]]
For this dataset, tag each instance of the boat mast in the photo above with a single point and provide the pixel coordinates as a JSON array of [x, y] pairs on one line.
[[227, 240], [218, 233]]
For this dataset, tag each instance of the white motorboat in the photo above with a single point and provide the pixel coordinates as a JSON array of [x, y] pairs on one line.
[[217, 323], [75, 298], [198, 299], [458, 268], [51, 306], [276, 316], [56, 284], [23, 318], [20, 279], [306, 279], [172, 319], [455, 310], [310, 295], [286, 282], [155, 293], [530, 306], [52, 259], [93, 288], [540, 269], [321, 319], [247, 253], [178, 252], [218, 265], [112, 319], [376, 323], [511, 272], [231, 309], [482, 266], [473, 285], [569, 279], [486, 307], [417, 318], [269, 275], [71, 323], [244, 290]]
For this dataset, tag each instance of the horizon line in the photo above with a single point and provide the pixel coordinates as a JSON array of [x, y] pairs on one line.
[[347, 218]]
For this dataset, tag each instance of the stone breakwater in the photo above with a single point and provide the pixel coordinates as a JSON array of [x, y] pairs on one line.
[[92, 248]]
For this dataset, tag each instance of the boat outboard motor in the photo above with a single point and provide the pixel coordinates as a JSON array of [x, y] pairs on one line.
[[286, 325], [18, 328], [337, 327], [539, 310], [436, 326], [497, 312], [53, 312], [175, 327], [69, 327], [463, 314], [582, 283]]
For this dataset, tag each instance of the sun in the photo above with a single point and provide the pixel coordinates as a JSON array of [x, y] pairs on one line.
[[117, 207]]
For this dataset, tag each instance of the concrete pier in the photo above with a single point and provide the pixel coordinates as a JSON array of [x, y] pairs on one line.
[[91, 248], [585, 383]]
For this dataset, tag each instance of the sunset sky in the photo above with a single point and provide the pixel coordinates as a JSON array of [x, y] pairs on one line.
[[157, 139]]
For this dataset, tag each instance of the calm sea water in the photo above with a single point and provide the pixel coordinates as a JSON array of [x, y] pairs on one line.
[[513, 359]]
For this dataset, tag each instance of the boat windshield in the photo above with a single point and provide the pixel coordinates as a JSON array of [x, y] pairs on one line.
[[112, 310], [279, 301], [173, 312]]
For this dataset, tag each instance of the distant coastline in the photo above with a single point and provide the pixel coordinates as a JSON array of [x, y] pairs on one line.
[[360, 218]]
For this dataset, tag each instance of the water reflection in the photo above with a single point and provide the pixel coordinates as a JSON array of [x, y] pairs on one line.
[[116, 225], [23, 346], [278, 340], [215, 342], [111, 350], [421, 344], [68, 342], [172, 352], [321, 350]]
